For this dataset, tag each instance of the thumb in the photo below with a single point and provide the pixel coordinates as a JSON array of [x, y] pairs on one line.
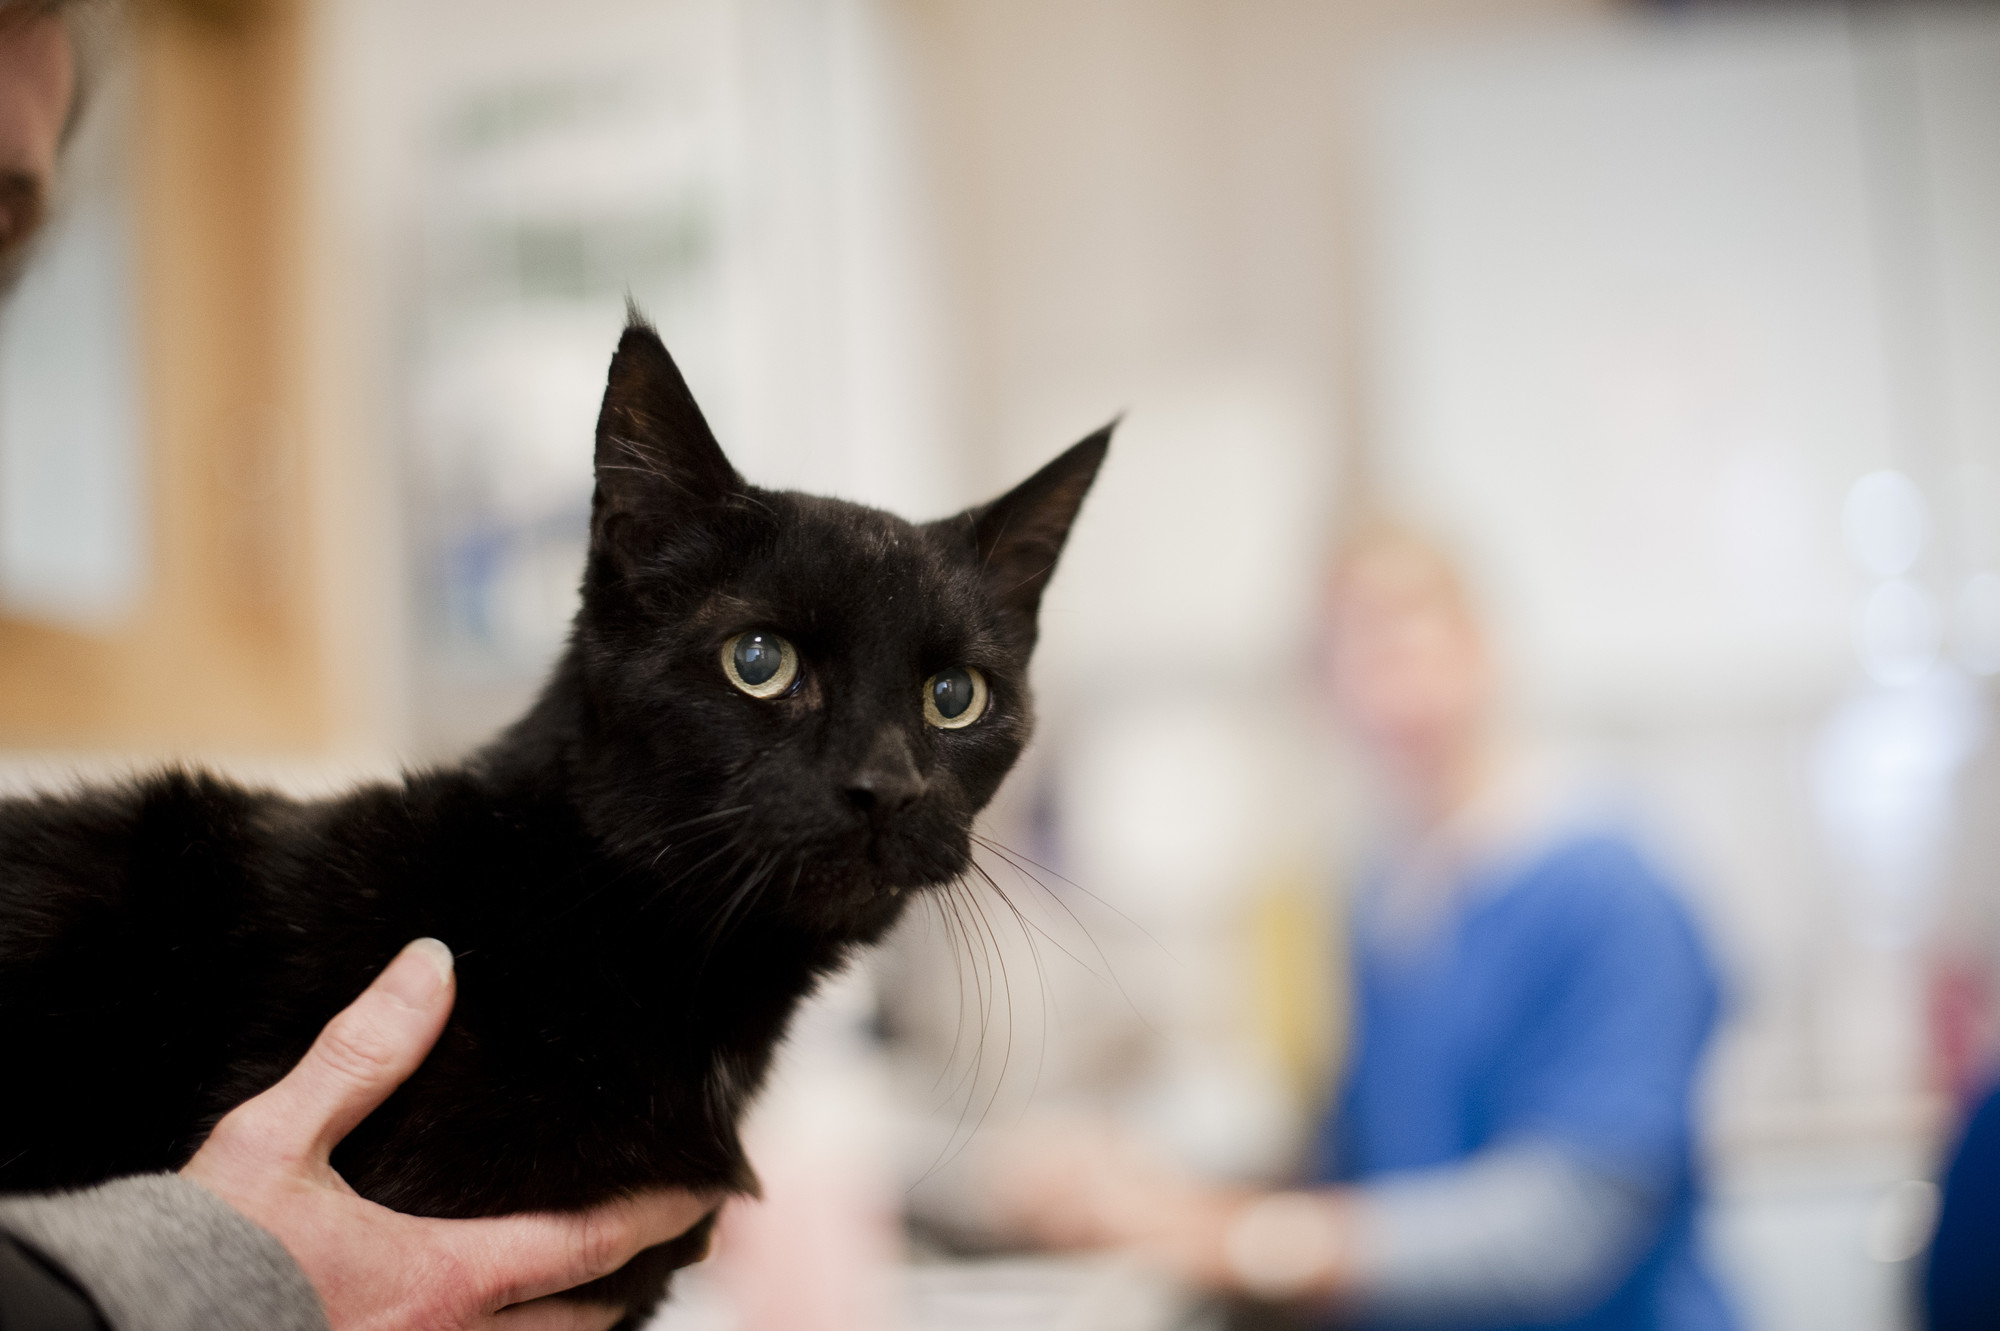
[[365, 1052]]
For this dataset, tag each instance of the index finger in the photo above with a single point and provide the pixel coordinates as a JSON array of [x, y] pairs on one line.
[[514, 1258]]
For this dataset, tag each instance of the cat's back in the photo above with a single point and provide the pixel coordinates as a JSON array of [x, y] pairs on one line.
[[170, 944], [185, 853], [120, 927], [83, 868]]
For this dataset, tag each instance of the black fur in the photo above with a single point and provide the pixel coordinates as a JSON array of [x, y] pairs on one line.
[[640, 879]]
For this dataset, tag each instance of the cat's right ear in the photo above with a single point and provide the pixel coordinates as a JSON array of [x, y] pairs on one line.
[[1018, 537], [658, 464]]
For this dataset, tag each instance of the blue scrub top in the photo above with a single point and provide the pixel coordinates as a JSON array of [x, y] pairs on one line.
[[1962, 1276], [1567, 1001]]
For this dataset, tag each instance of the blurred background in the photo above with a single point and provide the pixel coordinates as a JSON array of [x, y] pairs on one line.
[[1680, 324]]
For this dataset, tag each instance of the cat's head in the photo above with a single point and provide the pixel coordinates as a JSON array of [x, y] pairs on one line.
[[796, 701]]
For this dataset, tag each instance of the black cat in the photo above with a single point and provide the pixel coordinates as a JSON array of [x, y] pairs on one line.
[[775, 720]]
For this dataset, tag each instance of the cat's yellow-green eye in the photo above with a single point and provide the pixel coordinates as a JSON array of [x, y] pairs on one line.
[[954, 697], [760, 663]]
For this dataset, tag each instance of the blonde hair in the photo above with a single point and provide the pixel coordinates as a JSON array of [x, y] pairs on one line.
[[1396, 556]]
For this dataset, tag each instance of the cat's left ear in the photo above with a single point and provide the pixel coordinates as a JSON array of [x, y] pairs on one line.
[[1019, 536], [658, 464]]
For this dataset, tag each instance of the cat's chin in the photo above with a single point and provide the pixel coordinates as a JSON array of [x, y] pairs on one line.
[[866, 867], [861, 915], [862, 906]]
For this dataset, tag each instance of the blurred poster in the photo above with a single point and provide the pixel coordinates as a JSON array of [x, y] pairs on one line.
[[73, 524], [561, 179], [733, 170]]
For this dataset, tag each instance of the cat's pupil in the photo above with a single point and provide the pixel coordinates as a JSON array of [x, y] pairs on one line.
[[951, 692], [758, 657]]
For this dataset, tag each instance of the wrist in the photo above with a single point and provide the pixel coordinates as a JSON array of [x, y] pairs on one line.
[[1286, 1246], [164, 1252]]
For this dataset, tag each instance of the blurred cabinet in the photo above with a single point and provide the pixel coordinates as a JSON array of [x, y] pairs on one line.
[[209, 627]]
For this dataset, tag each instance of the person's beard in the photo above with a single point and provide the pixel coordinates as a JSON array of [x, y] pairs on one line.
[[23, 209]]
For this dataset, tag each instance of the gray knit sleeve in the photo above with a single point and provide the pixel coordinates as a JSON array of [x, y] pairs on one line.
[[157, 1252], [1525, 1232]]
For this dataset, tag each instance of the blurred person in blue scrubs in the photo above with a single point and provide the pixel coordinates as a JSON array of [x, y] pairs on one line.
[[1513, 1144], [1962, 1270]]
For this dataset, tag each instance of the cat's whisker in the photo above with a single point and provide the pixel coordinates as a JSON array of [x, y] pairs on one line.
[[1028, 931], [990, 995], [983, 983], [937, 903], [1012, 858], [1045, 990], [1028, 925], [959, 904], [948, 911], [693, 869], [972, 961], [744, 891], [957, 898], [685, 843], [585, 898], [1003, 996], [1017, 859], [667, 845]]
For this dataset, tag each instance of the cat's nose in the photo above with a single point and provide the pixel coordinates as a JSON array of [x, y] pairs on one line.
[[887, 778]]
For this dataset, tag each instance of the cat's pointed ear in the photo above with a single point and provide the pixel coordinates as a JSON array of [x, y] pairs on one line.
[[1019, 536], [657, 461]]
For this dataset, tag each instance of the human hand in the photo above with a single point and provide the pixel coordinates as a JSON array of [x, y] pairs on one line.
[[380, 1270], [1084, 1185], [1079, 1183]]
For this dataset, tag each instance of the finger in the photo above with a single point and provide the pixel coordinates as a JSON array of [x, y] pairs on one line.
[[515, 1258], [367, 1051], [552, 1315]]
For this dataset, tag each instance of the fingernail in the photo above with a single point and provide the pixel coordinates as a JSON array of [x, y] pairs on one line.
[[419, 972]]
